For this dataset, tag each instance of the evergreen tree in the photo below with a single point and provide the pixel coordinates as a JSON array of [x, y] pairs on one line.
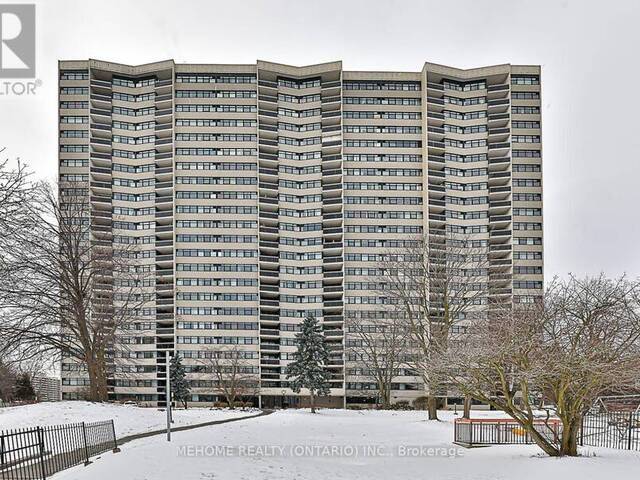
[[306, 371], [24, 388], [179, 384]]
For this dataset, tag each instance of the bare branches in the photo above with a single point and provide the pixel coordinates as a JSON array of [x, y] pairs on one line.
[[65, 290], [235, 377], [15, 189], [380, 351], [582, 341], [438, 283]]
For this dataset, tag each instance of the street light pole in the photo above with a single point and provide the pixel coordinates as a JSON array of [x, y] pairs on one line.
[[168, 395]]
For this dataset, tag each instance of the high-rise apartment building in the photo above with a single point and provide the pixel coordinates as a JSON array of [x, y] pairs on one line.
[[262, 193]]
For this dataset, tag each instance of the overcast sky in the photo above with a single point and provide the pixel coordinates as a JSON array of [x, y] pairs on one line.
[[589, 52]]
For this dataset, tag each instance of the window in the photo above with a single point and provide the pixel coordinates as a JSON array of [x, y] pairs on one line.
[[383, 158], [521, 124], [217, 151], [74, 163], [74, 75], [525, 95], [383, 115], [526, 284], [137, 83], [464, 101], [520, 110], [526, 182], [74, 91], [465, 116], [525, 80], [215, 94], [207, 122], [299, 84], [74, 119], [381, 101], [464, 87], [368, 85], [213, 78], [216, 108], [383, 143], [526, 153], [525, 138], [527, 241], [518, 167], [74, 148], [527, 226], [74, 134]]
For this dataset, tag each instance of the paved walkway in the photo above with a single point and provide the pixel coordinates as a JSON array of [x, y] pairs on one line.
[[136, 436]]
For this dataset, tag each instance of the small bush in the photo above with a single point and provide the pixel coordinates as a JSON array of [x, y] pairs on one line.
[[401, 405], [354, 407], [420, 403], [220, 405]]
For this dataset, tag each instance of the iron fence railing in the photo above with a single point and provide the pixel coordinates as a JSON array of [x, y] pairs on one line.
[[603, 428], [501, 431], [39, 452], [611, 429]]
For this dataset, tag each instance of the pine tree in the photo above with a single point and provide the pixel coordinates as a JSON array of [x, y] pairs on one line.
[[179, 384], [306, 371]]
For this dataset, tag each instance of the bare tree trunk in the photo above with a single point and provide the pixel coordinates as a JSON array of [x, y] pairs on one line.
[[467, 407], [97, 381], [432, 407], [542, 441], [386, 397], [312, 401], [569, 444]]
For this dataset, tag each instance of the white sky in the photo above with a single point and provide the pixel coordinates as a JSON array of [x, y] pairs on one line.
[[588, 51]]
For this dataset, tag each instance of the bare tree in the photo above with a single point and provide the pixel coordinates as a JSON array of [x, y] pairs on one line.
[[379, 350], [65, 290], [439, 282], [581, 341], [234, 375], [15, 189]]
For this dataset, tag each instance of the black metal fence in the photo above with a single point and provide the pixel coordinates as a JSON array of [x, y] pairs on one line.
[[500, 431], [610, 429], [39, 452]]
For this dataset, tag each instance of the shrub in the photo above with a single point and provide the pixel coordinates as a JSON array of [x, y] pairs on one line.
[[420, 403], [401, 405]]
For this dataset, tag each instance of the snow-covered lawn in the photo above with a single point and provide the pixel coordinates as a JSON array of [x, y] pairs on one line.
[[128, 419], [339, 444]]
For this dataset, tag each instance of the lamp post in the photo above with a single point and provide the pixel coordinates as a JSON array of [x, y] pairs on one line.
[[168, 390], [282, 400]]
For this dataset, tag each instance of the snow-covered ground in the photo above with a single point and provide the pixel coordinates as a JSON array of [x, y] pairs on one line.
[[339, 444], [128, 419]]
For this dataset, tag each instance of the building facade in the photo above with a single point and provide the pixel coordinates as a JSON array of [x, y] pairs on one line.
[[262, 193], [47, 388]]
